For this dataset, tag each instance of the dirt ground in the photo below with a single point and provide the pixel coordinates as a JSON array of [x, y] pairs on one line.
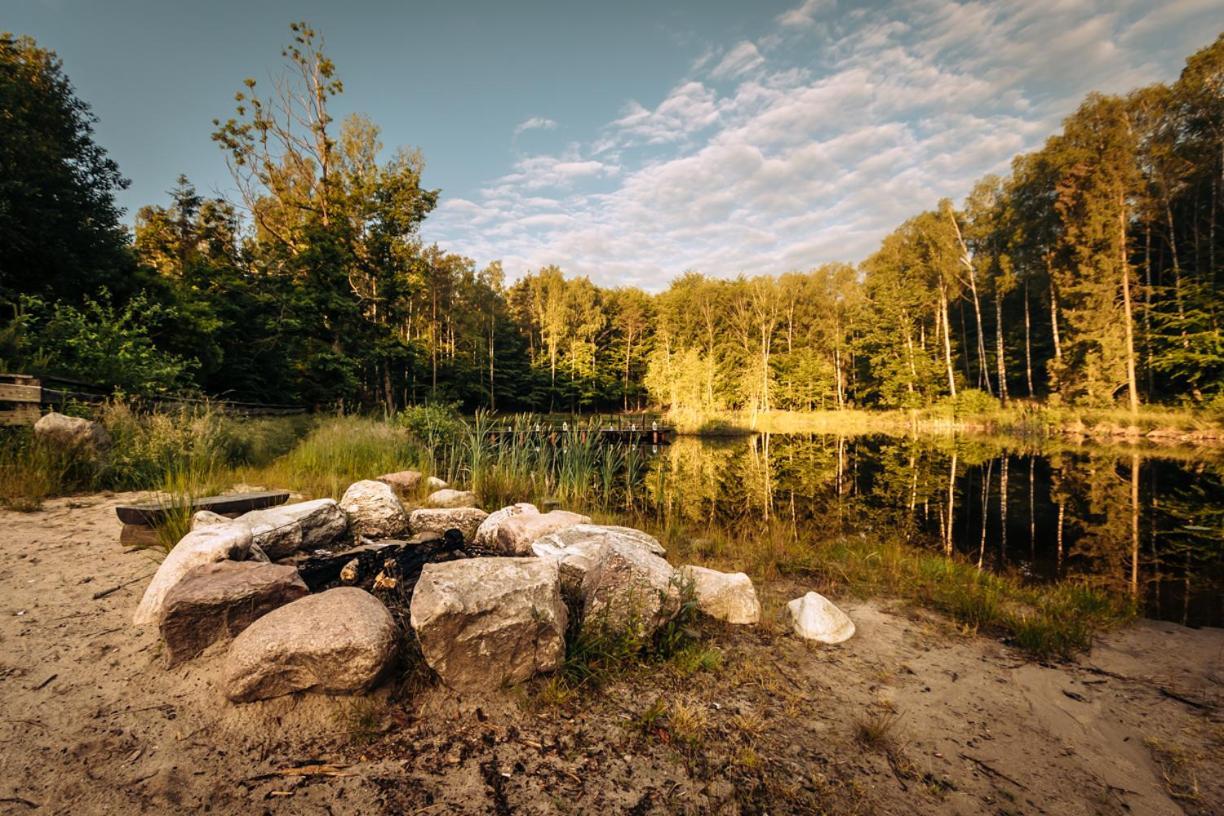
[[909, 716]]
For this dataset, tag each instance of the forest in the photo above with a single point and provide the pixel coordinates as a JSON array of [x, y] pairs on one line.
[[1088, 275]]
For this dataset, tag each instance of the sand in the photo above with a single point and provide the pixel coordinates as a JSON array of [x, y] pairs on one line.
[[92, 723]]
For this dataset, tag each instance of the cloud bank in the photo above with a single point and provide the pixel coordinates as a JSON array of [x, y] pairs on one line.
[[812, 141]]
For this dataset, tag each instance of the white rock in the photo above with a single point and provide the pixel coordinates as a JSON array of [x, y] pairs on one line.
[[486, 533], [516, 534], [207, 518], [73, 433], [814, 617], [206, 545], [434, 483], [282, 531], [628, 589], [725, 596], [452, 498], [487, 622], [562, 538], [574, 560], [373, 509], [337, 642], [438, 520], [309, 525]]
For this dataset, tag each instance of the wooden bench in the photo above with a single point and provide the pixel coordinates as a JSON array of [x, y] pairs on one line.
[[150, 514]]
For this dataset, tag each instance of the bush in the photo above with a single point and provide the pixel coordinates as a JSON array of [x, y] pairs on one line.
[[433, 425], [99, 342]]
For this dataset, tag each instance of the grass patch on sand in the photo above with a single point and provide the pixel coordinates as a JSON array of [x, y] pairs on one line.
[[1043, 620]]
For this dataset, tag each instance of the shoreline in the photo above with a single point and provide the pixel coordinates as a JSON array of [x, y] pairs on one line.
[[1153, 427], [913, 712]]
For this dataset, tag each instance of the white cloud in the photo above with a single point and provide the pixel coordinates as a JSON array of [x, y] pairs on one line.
[[855, 124], [535, 123], [803, 14], [741, 59]]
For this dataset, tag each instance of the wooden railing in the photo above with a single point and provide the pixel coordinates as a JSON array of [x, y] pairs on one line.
[[23, 398]]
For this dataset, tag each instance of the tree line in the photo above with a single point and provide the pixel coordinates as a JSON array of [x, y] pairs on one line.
[[1087, 275]]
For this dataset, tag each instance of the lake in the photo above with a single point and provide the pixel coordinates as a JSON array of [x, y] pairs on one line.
[[1149, 523]]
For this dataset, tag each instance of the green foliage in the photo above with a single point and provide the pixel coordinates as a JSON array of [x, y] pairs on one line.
[[100, 342], [1087, 276], [60, 230], [181, 451], [434, 426]]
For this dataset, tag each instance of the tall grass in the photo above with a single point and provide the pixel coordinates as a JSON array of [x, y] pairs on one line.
[[338, 452], [164, 449]]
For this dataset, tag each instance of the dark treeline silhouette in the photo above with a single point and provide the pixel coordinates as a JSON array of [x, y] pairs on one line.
[[1088, 275]]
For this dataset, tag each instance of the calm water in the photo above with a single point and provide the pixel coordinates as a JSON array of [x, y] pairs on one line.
[[1150, 524]]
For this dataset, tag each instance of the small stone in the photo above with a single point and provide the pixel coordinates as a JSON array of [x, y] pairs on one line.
[[725, 596], [434, 483], [814, 617], [336, 642], [374, 510], [486, 534], [350, 572], [403, 482], [215, 602], [452, 498], [438, 520]]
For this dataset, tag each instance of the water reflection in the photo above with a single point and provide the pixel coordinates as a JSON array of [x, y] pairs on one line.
[[1150, 525]]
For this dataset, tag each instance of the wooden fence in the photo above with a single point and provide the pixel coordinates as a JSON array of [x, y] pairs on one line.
[[23, 398]]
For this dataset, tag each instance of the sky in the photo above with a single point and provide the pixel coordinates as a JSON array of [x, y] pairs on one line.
[[631, 141]]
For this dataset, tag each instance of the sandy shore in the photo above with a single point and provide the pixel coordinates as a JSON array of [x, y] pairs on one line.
[[92, 723]]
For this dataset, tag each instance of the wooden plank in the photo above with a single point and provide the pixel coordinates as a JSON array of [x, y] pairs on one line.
[[20, 393], [19, 413], [153, 513]]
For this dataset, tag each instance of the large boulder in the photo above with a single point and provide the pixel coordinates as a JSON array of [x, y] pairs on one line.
[[725, 596], [337, 642], [452, 498], [205, 545], [281, 531], [486, 533], [582, 533], [373, 509], [438, 520], [488, 622], [577, 548], [628, 589], [516, 534], [574, 561], [215, 602], [73, 434], [403, 482], [814, 617]]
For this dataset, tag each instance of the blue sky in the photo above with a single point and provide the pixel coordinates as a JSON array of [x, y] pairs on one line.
[[631, 141]]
